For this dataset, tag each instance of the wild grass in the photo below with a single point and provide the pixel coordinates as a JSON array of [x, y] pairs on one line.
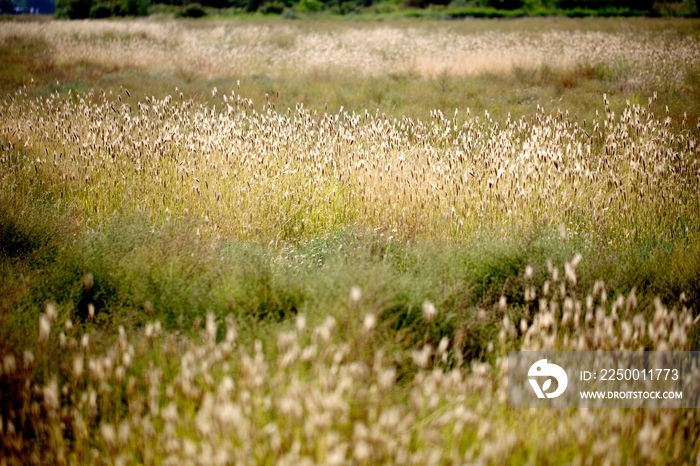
[[378, 64], [238, 172], [201, 271], [328, 391]]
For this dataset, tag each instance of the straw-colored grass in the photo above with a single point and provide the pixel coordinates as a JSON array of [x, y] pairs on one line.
[[268, 175], [328, 395], [231, 49]]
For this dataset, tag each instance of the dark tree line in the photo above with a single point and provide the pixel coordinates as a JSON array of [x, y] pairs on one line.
[[104, 8], [80, 9]]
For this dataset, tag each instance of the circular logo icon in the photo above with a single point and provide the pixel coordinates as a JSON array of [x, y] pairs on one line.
[[544, 369]]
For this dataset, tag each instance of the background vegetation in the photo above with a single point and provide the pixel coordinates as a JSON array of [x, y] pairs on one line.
[[79, 9]]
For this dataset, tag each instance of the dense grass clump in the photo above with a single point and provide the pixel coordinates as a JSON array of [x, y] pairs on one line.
[[603, 181], [329, 389]]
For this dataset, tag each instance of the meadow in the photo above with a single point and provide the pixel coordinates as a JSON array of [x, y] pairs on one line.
[[314, 242]]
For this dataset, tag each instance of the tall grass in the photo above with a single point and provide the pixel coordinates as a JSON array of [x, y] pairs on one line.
[[178, 210], [237, 172], [327, 391]]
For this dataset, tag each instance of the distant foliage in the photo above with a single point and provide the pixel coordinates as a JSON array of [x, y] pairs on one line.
[[81, 9], [193, 10], [272, 8], [506, 4], [73, 9], [311, 5], [100, 11], [78, 9], [135, 7]]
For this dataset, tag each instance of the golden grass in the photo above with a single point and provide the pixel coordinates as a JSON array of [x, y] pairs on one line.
[[321, 397], [233, 49], [242, 172]]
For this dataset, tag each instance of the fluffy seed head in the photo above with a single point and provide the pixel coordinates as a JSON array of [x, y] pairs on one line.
[[429, 311]]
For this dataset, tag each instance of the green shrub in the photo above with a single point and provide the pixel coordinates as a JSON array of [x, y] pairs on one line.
[[73, 9], [668, 8], [100, 11], [272, 8], [484, 13], [135, 7], [506, 4], [193, 10], [310, 5], [289, 13]]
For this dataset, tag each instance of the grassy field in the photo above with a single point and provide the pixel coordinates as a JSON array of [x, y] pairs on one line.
[[314, 241]]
